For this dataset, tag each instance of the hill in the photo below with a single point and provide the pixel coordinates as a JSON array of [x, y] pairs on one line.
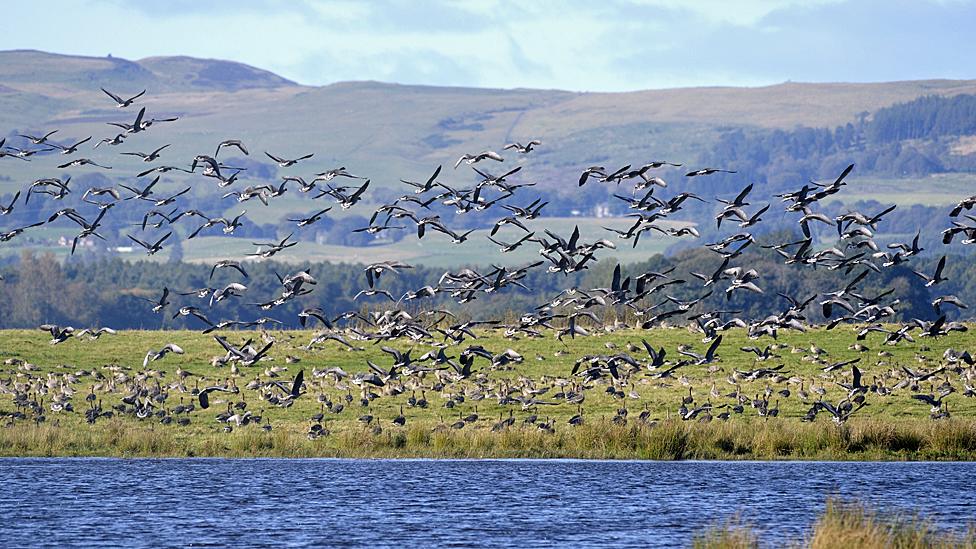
[[389, 131], [772, 135]]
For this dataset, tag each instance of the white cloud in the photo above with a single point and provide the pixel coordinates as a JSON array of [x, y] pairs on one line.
[[611, 45]]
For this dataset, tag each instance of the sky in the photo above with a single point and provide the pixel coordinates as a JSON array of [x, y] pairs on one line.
[[602, 45]]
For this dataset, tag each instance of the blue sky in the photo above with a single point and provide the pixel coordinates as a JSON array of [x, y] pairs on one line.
[[605, 45]]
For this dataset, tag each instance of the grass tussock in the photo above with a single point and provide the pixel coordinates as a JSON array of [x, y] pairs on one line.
[[855, 525], [598, 439], [732, 534], [850, 525]]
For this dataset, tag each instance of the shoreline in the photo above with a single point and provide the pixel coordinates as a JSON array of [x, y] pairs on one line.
[[669, 440]]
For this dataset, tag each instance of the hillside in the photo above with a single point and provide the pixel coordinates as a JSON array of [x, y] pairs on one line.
[[390, 131]]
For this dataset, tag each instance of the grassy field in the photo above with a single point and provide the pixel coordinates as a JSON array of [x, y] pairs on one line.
[[933, 190], [893, 426], [435, 249]]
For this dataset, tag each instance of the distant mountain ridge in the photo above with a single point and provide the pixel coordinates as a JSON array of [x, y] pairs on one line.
[[178, 73]]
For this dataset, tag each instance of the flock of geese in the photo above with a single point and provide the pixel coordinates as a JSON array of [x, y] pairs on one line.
[[445, 366]]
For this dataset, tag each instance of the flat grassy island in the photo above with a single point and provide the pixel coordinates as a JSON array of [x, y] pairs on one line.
[[514, 399]]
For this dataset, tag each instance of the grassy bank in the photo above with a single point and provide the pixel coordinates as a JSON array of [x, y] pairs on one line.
[[847, 524], [439, 415], [666, 440]]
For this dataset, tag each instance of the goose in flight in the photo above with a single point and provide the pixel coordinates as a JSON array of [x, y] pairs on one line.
[[157, 355], [522, 149], [150, 248], [25, 154], [137, 126], [235, 289], [204, 395], [123, 103], [117, 140], [947, 300], [144, 194], [709, 354], [88, 229], [94, 334], [422, 188], [38, 140], [708, 171], [99, 191], [285, 163], [82, 162], [314, 312], [303, 221], [161, 303], [150, 157], [475, 158], [58, 334], [7, 236], [303, 186], [141, 125], [70, 149], [509, 247], [329, 175], [210, 222], [347, 202], [592, 171], [273, 247], [375, 270], [5, 210], [655, 164], [227, 264], [936, 277], [159, 202], [162, 169], [41, 186], [231, 143]]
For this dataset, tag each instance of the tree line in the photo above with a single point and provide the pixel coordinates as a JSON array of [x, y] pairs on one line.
[[109, 291]]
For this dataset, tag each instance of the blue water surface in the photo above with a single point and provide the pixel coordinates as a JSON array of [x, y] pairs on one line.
[[445, 503]]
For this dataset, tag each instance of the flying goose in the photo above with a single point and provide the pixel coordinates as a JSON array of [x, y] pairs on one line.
[[285, 163], [147, 157], [157, 355], [474, 158], [522, 149], [151, 248], [122, 103]]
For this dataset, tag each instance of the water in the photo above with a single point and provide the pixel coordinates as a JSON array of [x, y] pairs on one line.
[[420, 503]]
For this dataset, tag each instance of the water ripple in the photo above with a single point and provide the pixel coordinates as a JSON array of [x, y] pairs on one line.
[[418, 503]]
